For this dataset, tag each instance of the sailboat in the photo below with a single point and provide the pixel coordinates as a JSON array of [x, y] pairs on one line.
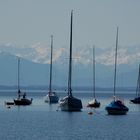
[[51, 97], [137, 99], [21, 99], [94, 103], [70, 103], [116, 107]]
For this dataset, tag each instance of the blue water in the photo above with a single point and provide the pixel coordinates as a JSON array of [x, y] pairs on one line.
[[42, 121]]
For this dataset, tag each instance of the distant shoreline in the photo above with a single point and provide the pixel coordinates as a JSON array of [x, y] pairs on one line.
[[58, 88]]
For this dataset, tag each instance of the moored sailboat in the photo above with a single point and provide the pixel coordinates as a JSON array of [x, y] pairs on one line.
[[116, 107], [51, 97], [70, 103], [94, 103], [136, 100], [21, 99]]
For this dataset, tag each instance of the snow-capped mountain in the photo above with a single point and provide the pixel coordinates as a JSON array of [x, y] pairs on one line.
[[40, 53], [36, 58]]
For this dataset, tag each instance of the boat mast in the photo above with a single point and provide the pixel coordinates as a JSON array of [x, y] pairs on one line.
[[138, 82], [115, 63], [50, 84], [18, 75], [94, 71], [70, 59]]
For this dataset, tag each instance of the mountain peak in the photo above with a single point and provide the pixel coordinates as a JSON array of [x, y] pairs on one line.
[[40, 53]]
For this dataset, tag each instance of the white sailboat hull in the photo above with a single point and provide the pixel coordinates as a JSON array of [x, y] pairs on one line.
[[51, 98], [70, 104]]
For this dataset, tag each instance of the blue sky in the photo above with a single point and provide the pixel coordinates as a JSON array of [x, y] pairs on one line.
[[27, 22]]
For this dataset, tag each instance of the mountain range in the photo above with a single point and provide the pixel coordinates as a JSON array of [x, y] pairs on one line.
[[34, 68]]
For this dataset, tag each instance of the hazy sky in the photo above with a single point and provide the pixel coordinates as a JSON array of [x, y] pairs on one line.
[[26, 22]]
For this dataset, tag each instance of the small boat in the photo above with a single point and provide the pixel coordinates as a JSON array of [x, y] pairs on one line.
[[94, 103], [136, 100], [21, 99], [9, 103], [70, 103], [51, 97], [116, 107]]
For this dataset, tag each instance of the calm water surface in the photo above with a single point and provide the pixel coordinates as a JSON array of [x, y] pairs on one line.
[[42, 121]]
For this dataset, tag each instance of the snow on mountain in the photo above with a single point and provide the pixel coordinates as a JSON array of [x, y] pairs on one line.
[[36, 58], [40, 53]]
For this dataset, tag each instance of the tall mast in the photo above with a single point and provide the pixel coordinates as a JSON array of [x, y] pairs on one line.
[[50, 85], [138, 82], [18, 75], [70, 58], [94, 71], [115, 63]]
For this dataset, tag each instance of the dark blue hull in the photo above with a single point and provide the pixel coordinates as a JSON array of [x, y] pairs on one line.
[[116, 108], [136, 100], [51, 98]]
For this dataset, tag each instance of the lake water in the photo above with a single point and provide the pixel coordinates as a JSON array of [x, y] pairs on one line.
[[42, 121]]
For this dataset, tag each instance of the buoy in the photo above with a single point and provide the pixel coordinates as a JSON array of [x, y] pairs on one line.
[[90, 113], [8, 107]]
